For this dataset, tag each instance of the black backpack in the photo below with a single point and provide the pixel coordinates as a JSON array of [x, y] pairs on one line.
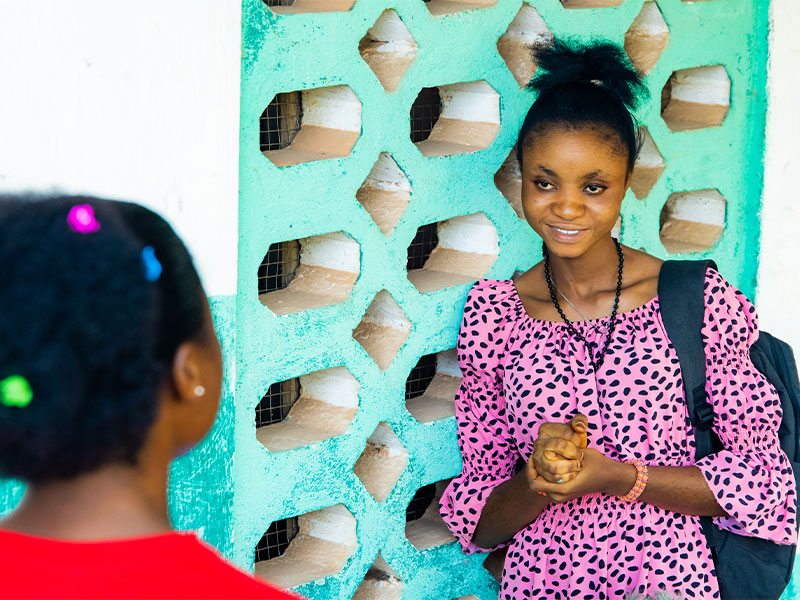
[[747, 567]]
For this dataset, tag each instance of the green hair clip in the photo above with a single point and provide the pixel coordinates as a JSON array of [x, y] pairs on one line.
[[15, 391]]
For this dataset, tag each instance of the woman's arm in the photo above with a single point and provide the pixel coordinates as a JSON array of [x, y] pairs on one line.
[[679, 489], [514, 504]]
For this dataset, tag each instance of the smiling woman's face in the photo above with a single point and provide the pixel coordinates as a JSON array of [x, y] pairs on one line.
[[573, 183]]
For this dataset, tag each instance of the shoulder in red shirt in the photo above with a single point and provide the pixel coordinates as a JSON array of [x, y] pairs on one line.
[[173, 565]]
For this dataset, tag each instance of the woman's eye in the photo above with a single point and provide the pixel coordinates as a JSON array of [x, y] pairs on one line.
[[594, 189], [544, 185]]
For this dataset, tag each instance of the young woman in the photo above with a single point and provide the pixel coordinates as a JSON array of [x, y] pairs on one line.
[[109, 369], [575, 347]]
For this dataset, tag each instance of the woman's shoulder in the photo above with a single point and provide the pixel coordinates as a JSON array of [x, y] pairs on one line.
[[491, 308], [731, 321], [491, 301]]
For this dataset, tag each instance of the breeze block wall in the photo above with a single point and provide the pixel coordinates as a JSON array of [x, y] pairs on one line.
[[377, 183]]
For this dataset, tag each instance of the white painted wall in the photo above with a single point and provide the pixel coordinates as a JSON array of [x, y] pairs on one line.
[[130, 100], [778, 296]]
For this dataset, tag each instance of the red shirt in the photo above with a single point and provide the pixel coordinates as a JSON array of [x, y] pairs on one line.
[[172, 565]]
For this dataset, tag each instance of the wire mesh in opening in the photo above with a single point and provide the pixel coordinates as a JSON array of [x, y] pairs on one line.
[[288, 2], [421, 246], [279, 266], [277, 539], [424, 113], [421, 376], [420, 502], [275, 404], [280, 121]]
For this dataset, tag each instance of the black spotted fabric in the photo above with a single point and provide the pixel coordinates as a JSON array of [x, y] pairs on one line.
[[519, 372]]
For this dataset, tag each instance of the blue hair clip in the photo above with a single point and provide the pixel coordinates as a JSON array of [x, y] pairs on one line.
[[152, 266]]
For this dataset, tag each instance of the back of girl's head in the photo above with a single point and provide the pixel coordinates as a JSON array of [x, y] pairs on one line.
[[96, 298], [584, 84]]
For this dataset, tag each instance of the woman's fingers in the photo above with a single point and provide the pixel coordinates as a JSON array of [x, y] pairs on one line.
[[556, 430], [557, 478], [579, 422], [560, 446], [559, 467]]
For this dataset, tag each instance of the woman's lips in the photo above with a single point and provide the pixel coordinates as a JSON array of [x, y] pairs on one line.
[[566, 235]]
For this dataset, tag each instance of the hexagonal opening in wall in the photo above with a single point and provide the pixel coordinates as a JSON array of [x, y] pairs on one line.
[[383, 329], [648, 167], [464, 119], [424, 525], [696, 98], [319, 545], [462, 250], [445, 7], [307, 409], [432, 385], [382, 462], [646, 38], [590, 3], [692, 221], [385, 193], [308, 125], [508, 180], [308, 273], [389, 49], [527, 31], [289, 7], [380, 583]]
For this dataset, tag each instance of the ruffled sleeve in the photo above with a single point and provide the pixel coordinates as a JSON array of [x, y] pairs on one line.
[[487, 449], [751, 477]]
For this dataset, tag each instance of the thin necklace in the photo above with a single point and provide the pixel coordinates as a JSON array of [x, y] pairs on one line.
[[588, 321], [590, 347]]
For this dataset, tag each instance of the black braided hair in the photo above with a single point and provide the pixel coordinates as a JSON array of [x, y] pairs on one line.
[[582, 84], [87, 329]]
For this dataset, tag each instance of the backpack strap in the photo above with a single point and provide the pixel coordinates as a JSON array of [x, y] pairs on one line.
[[681, 299], [682, 302]]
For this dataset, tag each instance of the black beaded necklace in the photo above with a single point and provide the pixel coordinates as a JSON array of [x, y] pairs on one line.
[[590, 347]]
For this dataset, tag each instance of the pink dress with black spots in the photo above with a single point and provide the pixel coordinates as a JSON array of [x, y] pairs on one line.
[[519, 372]]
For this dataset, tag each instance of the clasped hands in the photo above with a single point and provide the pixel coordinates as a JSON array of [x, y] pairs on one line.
[[562, 467]]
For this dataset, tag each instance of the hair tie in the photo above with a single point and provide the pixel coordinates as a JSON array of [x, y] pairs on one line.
[[152, 266], [81, 219], [15, 391]]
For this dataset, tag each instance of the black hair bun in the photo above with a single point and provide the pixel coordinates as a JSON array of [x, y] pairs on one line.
[[601, 62]]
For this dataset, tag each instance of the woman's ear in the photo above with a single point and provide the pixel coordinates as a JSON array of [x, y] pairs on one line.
[[187, 372], [195, 394]]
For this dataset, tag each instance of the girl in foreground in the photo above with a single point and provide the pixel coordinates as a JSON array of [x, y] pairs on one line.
[[575, 347], [109, 369]]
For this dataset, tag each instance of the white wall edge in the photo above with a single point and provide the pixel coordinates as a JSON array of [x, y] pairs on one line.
[[778, 295]]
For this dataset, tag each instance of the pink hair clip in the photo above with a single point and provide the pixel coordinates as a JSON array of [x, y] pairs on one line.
[[81, 219]]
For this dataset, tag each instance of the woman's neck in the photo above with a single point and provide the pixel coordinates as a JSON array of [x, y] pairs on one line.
[[115, 501], [584, 276]]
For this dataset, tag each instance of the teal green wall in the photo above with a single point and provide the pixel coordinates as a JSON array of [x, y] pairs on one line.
[[293, 52], [201, 483]]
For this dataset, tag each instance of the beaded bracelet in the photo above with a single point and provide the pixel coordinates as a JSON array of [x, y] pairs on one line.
[[639, 484]]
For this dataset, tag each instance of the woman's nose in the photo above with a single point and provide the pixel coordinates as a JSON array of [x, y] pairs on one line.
[[568, 205]]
